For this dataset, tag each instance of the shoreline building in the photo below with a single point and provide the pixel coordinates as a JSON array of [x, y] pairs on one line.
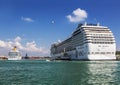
[[87, 42]]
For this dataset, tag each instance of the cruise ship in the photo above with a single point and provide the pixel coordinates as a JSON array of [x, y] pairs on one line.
[[87, 42], [14, 54]]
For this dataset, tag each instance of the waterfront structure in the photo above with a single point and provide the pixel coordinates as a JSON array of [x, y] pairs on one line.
[[14, 54], [2, 57], [87, 42]]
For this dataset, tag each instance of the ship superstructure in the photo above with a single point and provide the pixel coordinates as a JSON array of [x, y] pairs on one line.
[[87, 42], [14, 54]]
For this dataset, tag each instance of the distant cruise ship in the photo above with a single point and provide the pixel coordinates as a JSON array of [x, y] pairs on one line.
[[14, 54], [87, 42]]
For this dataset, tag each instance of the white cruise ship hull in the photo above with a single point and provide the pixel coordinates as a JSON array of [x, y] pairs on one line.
[[88, 57], [101, 57], [90, 52], [88, 42], [15, 58]]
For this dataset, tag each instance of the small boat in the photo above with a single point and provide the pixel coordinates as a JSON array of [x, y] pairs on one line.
[[47, 60]]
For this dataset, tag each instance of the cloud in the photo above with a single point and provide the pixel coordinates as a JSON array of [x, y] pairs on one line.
[[32, 47], [17, 39], [52, 21], [59, 41], [29, 47], [2, 43], [27, 19], [77, 15]]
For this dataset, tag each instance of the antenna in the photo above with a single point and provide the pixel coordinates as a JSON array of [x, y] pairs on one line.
[[85, 23], [98, 24]]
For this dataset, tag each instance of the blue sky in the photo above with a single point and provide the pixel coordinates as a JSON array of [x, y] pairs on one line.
[[36, 24]]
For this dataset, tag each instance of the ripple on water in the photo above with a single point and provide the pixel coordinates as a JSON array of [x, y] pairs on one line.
[[59, 72]]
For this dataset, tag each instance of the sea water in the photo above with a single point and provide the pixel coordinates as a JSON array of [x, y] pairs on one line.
[[37, 72]]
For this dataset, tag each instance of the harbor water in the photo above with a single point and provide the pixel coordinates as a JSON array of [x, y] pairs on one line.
[[37, 72]]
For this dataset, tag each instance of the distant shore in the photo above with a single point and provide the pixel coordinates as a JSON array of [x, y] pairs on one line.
[[43, 58], [28, 58]]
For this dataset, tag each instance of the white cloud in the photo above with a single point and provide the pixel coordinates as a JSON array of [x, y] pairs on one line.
[[78, 15], [29, 47], [32, 47], [52, 21], [17, 39], [27, 19], [2, 43], [59, 41]]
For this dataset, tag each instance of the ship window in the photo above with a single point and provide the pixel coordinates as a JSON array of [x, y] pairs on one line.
[[108, 52], [112, 52], [13, 53], [80, 53], [88, 52], [102, 52], [96, 52]]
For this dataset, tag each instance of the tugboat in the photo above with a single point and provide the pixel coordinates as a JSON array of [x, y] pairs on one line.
[[14, 54]]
